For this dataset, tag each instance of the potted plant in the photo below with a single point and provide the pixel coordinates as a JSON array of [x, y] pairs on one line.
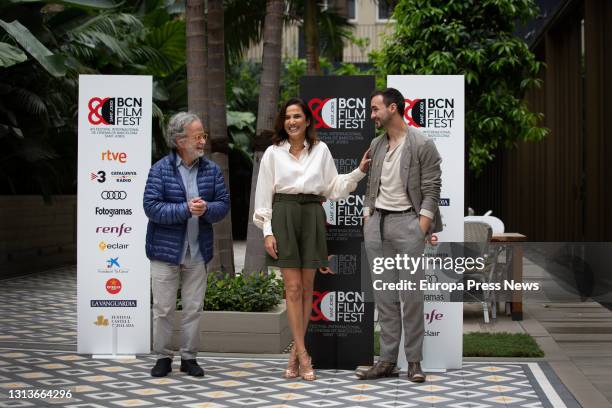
[[242, 314]]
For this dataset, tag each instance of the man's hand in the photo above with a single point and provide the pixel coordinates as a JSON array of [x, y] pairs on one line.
[[365, 161], [424, 224], [270, 245], [197, 206]]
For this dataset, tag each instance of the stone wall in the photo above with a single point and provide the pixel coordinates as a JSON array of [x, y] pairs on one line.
[[35, 236]]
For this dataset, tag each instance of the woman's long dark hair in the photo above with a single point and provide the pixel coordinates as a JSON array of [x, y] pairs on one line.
[[281, 135]]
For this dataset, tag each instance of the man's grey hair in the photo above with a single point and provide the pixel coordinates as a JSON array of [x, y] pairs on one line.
[[176, 127]]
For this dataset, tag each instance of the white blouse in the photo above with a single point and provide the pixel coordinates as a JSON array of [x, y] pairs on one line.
[[313, 173]]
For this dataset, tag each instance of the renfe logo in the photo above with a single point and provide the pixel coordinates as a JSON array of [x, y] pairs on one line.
[[121, 157], [433, 316], [119, 231], [338, 113]]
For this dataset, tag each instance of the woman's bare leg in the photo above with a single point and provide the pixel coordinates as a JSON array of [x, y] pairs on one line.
[[292, 278], [308, 276]]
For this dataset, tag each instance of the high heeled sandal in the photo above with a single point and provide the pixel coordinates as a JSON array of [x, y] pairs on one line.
[[306, 371], [292, 370]]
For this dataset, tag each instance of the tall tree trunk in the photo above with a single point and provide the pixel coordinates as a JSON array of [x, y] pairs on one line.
[[197, 87], [223, 259], [311, 38], [268, 105]]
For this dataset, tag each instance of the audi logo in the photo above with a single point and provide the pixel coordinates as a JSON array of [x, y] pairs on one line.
[[113, 195]]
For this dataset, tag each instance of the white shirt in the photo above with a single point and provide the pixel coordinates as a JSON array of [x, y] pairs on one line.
[[313, 173], [391, 193]]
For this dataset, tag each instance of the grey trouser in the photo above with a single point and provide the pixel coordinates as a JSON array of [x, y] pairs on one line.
[[165, 283], [401, 235]]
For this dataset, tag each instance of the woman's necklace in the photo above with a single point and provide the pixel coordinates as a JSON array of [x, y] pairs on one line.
[[294, 149]]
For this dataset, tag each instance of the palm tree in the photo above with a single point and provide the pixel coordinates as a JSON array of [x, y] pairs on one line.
[[268, 102], [224, 251], [197, 86], [311, 38]]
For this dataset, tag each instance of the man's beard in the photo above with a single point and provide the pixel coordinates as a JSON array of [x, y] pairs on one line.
[[194, 153], [381, 123]]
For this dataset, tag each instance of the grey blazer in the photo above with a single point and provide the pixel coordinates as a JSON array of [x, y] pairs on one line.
[[420, 172]]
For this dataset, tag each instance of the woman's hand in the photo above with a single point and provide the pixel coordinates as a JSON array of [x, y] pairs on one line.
[[365, 161], [327, 269], [270, 245]]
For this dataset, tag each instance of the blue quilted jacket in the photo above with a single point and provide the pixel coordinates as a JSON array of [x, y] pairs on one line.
[[166, 206]]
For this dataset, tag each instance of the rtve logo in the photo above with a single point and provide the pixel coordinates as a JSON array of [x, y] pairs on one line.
[[121, 157]]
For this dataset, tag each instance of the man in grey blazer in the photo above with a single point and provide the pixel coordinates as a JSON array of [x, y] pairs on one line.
[[401, 212]]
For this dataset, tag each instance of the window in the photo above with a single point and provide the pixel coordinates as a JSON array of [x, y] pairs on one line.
[[351, 10], [385, 9]]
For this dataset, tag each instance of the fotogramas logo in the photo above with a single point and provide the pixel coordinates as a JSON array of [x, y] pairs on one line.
[[348, 211], [115, 111], [338, 113], [430, 113], [113, 286], [346, 307], [110, 212]]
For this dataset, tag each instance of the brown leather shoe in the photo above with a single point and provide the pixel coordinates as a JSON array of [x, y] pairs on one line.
[[379, 370], [415, 374]]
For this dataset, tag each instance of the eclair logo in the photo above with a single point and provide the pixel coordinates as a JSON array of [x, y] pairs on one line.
[[114, 111], [338, 113]]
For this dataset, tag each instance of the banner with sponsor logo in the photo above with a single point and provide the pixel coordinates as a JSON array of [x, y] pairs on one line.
[[435, 105], [340, 333], [114, 157]]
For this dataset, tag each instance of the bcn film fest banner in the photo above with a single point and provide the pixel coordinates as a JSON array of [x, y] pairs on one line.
[[340, 333], [435, 105], [113, 300]]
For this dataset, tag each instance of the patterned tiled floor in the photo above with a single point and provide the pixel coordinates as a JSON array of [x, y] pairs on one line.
[[38, 339], [39, 309], [233, 382]]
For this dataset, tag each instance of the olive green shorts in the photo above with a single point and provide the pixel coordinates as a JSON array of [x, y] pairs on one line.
[[298, 224]]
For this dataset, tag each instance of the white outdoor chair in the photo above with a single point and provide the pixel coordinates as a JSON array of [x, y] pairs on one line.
[[479, 235], [496, 224]]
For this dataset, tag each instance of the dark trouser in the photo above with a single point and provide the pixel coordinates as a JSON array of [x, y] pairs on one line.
[[396, 309], [298, 224]]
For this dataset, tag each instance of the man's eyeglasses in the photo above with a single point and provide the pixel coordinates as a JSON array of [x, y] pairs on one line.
[[200, 137]]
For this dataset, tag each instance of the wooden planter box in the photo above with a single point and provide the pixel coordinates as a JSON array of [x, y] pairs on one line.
[[240, 332]]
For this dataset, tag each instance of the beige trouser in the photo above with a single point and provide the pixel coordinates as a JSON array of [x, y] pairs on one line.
[[165, 283], [401, 235]]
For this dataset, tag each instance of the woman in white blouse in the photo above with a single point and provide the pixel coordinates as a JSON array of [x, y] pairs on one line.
[[296, 174]]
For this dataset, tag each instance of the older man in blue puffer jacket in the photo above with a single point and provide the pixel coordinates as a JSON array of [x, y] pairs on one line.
[[185, 194]]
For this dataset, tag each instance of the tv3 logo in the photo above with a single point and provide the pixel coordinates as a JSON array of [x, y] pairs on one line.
[[100, 176]]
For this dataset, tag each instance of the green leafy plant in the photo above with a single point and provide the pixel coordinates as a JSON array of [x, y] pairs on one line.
[[253, 293], [473, 38]]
